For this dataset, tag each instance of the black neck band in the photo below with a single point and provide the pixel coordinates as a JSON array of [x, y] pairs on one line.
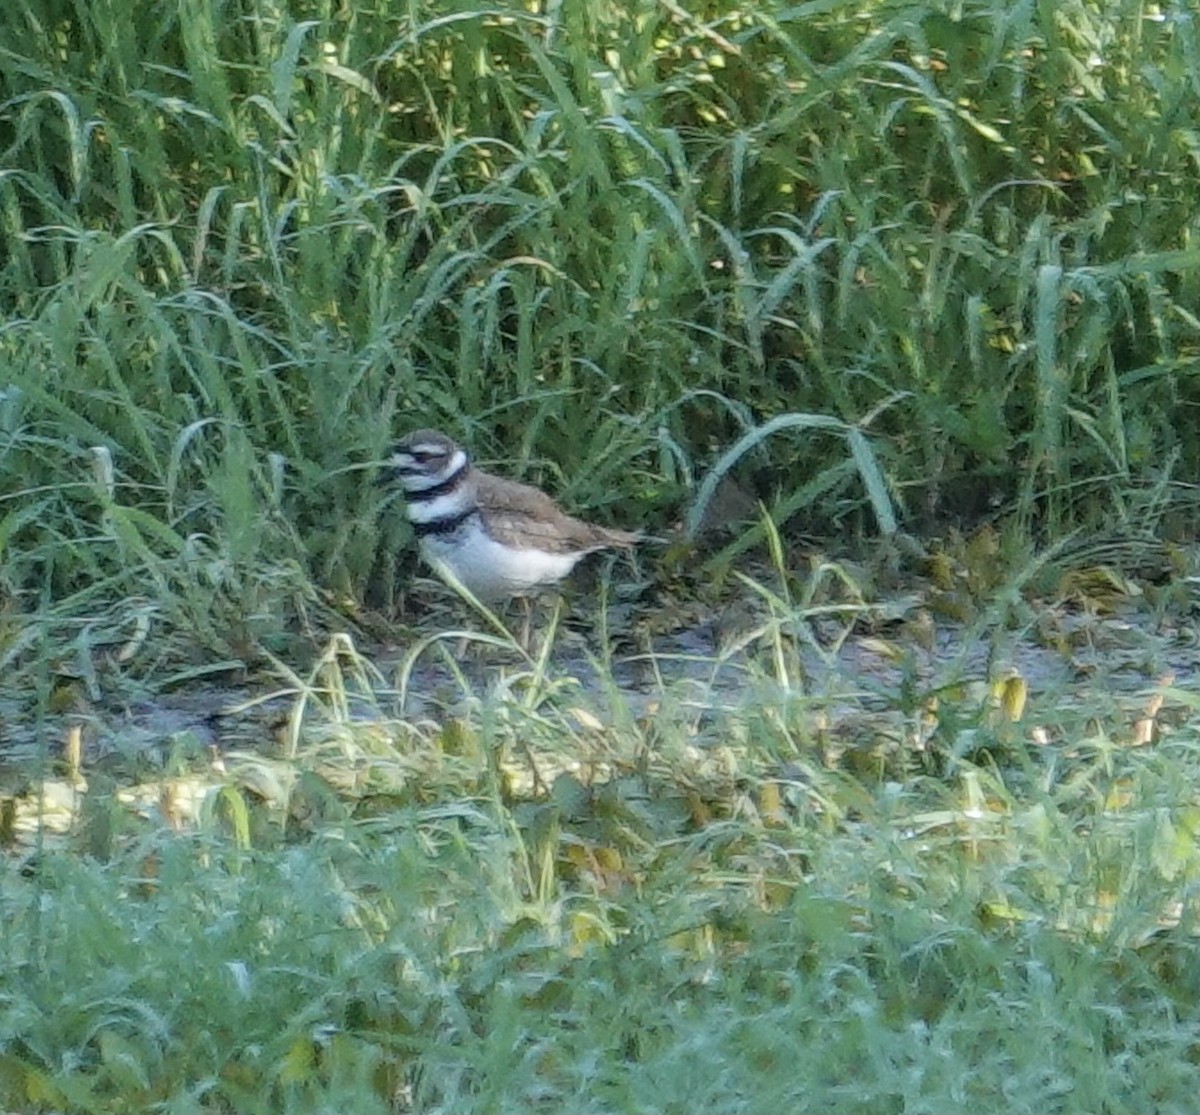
[[422, 495], [443, 526]]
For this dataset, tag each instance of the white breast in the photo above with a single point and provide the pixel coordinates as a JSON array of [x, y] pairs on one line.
[[490, 570]]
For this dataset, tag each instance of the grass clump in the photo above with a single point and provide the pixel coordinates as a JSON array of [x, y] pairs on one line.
[[243, 253]]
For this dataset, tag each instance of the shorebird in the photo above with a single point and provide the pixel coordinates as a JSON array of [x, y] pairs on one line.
[[497, 538]]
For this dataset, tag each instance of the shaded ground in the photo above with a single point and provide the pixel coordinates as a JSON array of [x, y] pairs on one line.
[[847, 679]]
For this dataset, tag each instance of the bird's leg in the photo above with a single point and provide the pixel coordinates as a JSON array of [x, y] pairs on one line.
[[527, 623]]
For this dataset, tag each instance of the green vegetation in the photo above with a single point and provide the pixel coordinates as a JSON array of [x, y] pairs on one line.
[[885, 264], [245, 246], [688, 918]]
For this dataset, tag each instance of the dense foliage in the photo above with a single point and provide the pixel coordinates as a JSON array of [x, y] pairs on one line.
[[819, 847], [244, 244]]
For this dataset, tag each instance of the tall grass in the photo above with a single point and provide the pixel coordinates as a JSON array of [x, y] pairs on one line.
[[246, 244], [892, 265]]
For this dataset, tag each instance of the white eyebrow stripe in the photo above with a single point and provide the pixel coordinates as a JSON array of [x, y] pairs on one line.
[[450, 472]]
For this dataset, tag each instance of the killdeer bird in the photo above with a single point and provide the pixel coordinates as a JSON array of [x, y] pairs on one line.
[[497, 538]]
